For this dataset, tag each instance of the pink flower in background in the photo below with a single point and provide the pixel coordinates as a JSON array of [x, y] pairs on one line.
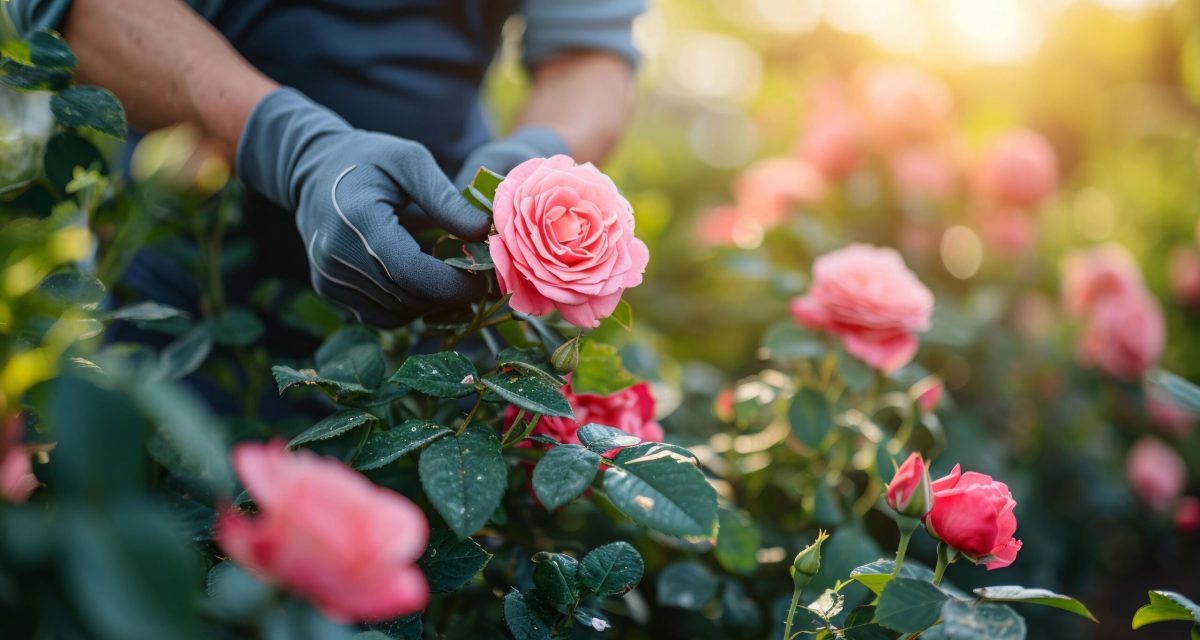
[[770, 189], [631, 410], [17, 481], [974, 514], [1187, 514], [1124, 335], [564, 240], [1009, 230], [931, 397], [1183, 271], [924, 172], [1167, 414], [1019, 169], [867, 297], [909, 492], [327, 533], [726, 225], [832, 138], [1093, 274], [1155, 472], [902, 104]]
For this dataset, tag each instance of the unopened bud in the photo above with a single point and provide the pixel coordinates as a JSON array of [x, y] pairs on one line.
[[808, 562], [910, 492], [566, 357]]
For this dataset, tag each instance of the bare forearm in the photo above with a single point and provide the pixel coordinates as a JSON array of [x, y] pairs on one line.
[[586, 98], [166, 65]]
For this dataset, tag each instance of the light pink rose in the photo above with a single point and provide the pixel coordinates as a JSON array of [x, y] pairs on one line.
[[1018, 169], [1093, 274], [928, 171], [1124, 336], [1009, 230], [902, 104], [832, 138], [726, 225], [631, 410], [17, 481], [1183, 271], [327, 533], [931, 397], [974, 514], [564, 240], [1155, 472], [770, 189], [869, 298]]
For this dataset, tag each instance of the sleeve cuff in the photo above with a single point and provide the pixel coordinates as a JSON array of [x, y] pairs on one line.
[[554, 27]]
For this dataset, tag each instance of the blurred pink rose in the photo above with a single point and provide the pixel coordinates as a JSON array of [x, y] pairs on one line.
[[867, 297], [1166, 414], [832, 138], [327, 533], [564, 240], [929, 398], [1187, 514], [1183, 271], [1019, 169], [902, 104], [772, 188], [1155, 472], [17, 481], [924, 172], [974, 514], [909, 492], [725, 225], [631, 410], [1092, 274], [1007, 229], [1124, 336]]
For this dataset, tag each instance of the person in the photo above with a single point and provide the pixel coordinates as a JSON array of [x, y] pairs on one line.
[[349, 115]]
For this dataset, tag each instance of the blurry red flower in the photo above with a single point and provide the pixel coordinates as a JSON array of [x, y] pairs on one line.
[[1124, 336], [631, 410], [1183, 271], [1187, 514], [772, 188], [1093, 274], [902, 104], [1019, 169], [1155, 472], [17, 481], [909, 492]]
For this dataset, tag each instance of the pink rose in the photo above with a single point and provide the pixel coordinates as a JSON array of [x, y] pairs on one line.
[[564, 240], [974, 514], [1096, 273], [772, 188], [1010, 230], [1155, 472], [1187, 515], [1019, 169], [924, 172], [867, 297], [931, 397], [909, 492], [832, 139], [725, 225], [1124, 335], [17, 481], [1166, 414], [902, 104], [1183, 271], [327, 533], [631, 410]]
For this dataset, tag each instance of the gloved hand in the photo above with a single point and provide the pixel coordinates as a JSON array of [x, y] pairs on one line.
[[346, 186], [505, 153]]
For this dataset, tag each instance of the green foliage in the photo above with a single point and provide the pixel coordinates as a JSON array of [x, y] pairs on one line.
[[90, 108], [600, 370], [1166, 606], [464, 477], [450, 563], [1043, 597], [334, 425], [738, 541], [611, 570], [531, 392], [810, 417], [563, 474], [556, 577], [979, 621], [663, 490], [687, 585], [601, 438], [908, 605], [443, 375]]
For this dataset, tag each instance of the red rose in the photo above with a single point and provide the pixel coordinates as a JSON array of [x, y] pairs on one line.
[[909, 492]]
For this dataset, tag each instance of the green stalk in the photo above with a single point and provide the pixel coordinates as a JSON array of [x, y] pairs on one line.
[[946, 557], [800, 583], [907, 525]]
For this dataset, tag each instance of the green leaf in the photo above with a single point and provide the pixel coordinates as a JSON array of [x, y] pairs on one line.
[[72, 288], [236, 327], [687, 585], [89, 107], [65, 151], [602, 438], [612, 569], [144, 312], [486, 182], [1184, 393], [738, 540], [810, 417], [530, 392], [531, 361], [600, 370], [963, 620], [523, 621], [185, 354], [876, 575], [663, 490], [443, 375], [237, 594], [450, 563], [361, 364], [47, 49], [1166, 606], [856, 373], [189, 427], [27, 77], [563, 474], [475, 258], [388, 446], [334, 425], [623, 315], [787, 341], [860, 625], [556, 577], [908, 606], [1035, 596], [287, 377], [465, 477]]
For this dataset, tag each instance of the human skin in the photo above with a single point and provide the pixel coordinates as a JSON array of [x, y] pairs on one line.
[[169, 67]]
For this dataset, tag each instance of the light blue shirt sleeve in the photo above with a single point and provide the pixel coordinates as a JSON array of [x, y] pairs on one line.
[[30, 15], [554, 27]]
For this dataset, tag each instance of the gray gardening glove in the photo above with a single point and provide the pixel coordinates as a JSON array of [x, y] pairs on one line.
[[345, 186]]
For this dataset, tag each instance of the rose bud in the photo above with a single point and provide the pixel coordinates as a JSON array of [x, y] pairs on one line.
[[808, 562], [566, 356], [909, 492], [1155, 472], [973, 514]]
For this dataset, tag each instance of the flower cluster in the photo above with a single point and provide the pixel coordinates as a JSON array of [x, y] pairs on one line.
[[631, 410]]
